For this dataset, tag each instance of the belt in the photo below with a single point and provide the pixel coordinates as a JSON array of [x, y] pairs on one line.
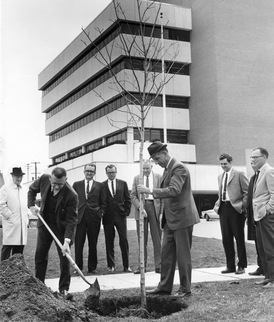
[[149, 200]]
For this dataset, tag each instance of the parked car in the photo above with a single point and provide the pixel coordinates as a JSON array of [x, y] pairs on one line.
[[209, 214]]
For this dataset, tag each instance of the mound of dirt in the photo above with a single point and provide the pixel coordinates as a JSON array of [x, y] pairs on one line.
[[24, 298]]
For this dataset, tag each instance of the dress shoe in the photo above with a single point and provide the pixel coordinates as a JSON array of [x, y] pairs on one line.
[[263, 282], [127, 270], [66, 295], [157, 291], [138, 271], [258, 272], [158, 270], [269, 285], [227, 271], [182, 294], [111, 269], [93, 272], [240, 270]]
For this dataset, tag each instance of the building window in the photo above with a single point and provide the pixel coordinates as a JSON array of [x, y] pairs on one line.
[[124, 27], [75, 153], [173, 136]]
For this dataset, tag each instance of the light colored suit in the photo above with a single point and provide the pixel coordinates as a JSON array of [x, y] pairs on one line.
[[134, 195], [263, 195], [153, 209], [237, 187], [263, 209]]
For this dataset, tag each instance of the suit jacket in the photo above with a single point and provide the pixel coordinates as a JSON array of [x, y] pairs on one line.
[[175, 189], [66, 207], [263, 195], [237, 187], [135, 197], [120, 204], [96, 202]]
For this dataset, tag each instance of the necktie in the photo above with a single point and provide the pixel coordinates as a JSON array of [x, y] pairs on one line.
[[147, 185], [87, 192], [255, 179], [224, 190], [112, 188]]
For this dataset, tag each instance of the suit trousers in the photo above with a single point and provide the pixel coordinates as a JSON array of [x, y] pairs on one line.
[[8, 249], [120, 222], [44, 241], [155, 231], [89, 227], [232, 225], [176, 246], [265, 240]]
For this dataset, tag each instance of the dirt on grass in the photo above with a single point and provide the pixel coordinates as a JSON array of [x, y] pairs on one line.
[[24, 298]]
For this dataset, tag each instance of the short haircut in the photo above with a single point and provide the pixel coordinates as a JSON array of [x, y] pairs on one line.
[[59, 172], [111, 166], [263, 151], [90, 165], [226, 156]]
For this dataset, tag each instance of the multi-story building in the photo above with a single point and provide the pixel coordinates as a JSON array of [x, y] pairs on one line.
[[219, 102]]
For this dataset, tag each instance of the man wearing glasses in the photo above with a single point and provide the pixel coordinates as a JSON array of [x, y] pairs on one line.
[[59, 204], [92, 205], [117, 210], [231, 206], [263, 212]]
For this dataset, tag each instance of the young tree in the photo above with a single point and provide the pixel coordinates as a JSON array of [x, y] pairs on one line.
[[144, 75]]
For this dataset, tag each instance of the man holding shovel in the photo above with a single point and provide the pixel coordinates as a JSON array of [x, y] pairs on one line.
[[59, 204]]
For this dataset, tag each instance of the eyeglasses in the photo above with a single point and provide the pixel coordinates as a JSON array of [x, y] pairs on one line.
[[256, 157], [89, 171]]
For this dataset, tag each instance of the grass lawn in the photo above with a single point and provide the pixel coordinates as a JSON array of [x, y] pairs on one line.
[[213, 301]]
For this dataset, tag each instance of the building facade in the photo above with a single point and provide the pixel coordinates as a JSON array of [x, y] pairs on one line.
[[220, 101]]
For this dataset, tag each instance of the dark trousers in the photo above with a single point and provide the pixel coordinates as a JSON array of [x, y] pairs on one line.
[[176, 246], [44, 241], [120, 222], [232, 226], [90, 227], [155, 232], [265, 240], [8, 249]]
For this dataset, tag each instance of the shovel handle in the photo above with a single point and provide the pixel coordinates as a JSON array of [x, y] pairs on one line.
[[60, 245]]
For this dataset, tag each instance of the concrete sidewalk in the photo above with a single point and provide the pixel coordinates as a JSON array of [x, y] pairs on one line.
[[210, 229], [130, 280]]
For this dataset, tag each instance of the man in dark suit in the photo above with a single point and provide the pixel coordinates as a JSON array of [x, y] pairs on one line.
[[231, 206], [263, 212], [59, 204], [92, 205], [152, 209], [117, 210], [179, 216]]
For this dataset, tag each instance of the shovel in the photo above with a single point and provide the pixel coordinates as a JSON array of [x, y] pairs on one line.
[[93, 291]]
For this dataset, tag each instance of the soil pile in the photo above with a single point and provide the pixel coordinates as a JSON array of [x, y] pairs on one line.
[[25, 298]]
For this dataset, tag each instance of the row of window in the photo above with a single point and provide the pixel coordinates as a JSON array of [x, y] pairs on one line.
[[116, 103], [122, 27], [138, 64], [173, 136]]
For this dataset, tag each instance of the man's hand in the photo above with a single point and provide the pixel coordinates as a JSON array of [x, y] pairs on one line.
[[34, 210], [65, 247], [142, 189]]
